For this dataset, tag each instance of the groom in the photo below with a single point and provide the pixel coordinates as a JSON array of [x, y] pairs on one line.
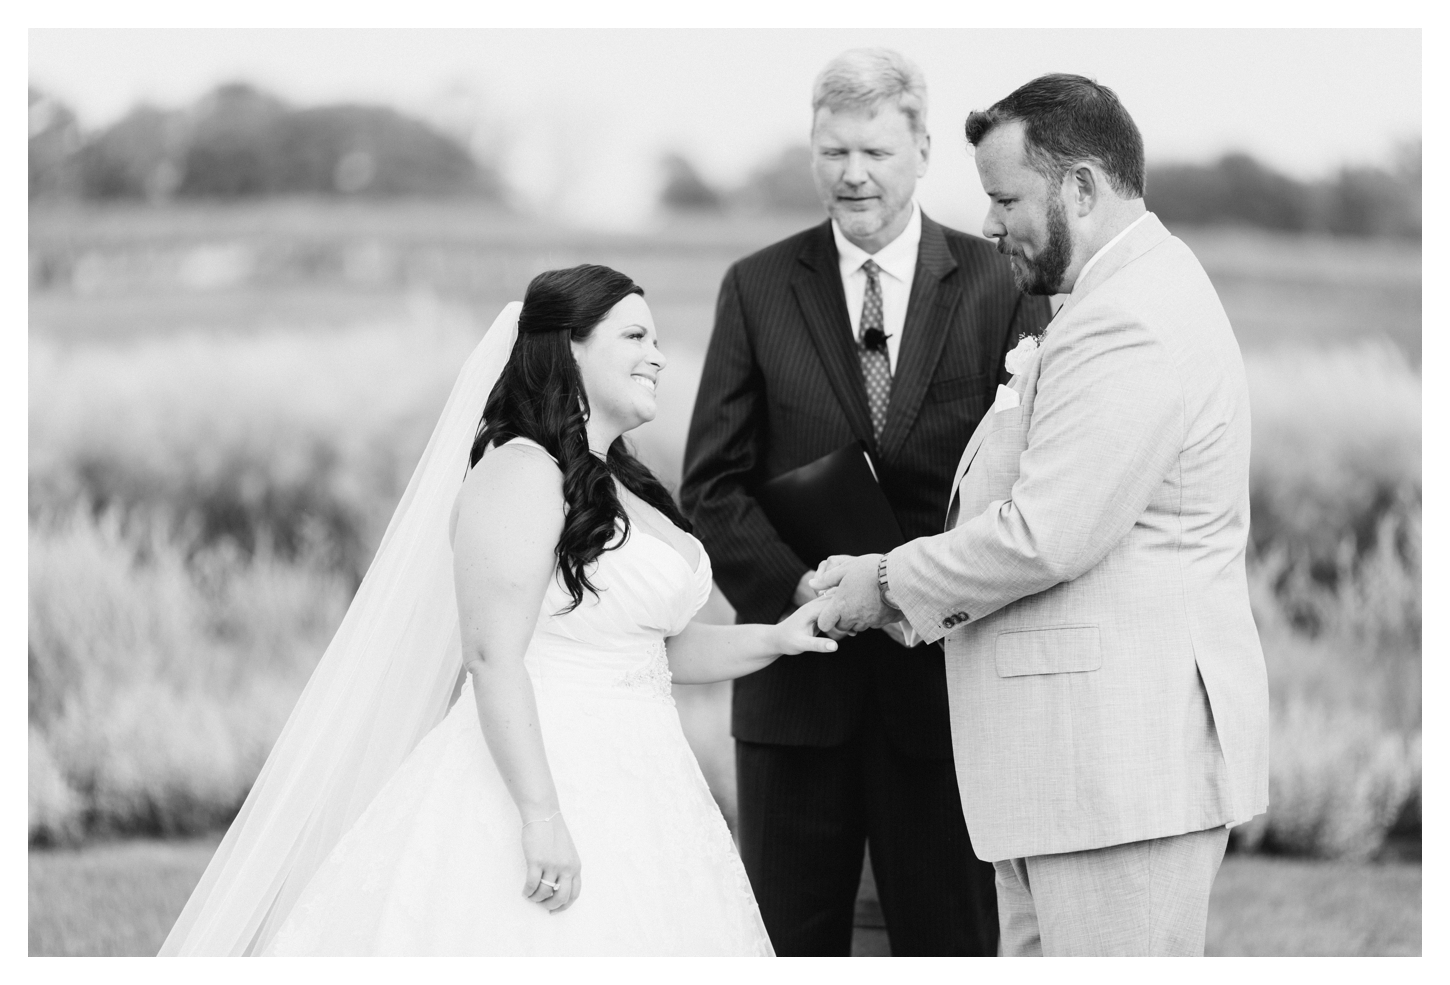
[[1109, 706]]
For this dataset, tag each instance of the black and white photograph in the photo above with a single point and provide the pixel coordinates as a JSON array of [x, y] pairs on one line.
[[800, 491]]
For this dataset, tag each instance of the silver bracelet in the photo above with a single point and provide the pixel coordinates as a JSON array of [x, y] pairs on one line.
[[543, 820]]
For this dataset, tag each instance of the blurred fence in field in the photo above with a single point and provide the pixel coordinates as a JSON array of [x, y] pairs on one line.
[[225, 404]]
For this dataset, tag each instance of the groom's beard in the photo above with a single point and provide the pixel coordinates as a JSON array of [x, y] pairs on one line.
[[1043, 275]]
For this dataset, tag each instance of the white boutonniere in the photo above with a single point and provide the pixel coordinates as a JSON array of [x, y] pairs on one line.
[[1019, 357]]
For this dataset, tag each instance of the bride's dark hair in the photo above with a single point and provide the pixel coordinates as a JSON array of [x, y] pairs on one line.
[[540, 395]]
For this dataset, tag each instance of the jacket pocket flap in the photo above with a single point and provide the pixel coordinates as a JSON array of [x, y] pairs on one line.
[[1055, 650]]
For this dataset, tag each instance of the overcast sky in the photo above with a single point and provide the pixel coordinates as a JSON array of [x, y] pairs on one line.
[[581, 117]]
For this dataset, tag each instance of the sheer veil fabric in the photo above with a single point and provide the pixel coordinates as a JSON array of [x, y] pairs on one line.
[[385, 680]]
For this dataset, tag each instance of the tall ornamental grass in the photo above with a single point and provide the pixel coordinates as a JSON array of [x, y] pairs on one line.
[[1335, 576], [202, 507], [301, 438], [1336, 485], [159, 682]]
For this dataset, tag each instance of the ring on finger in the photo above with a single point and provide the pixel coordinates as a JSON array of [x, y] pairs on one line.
[[552, 885]]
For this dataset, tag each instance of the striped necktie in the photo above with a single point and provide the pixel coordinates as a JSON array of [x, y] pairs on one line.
[[871, 346]]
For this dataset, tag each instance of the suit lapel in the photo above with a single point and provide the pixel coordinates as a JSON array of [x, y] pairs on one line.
[[1148, 234], [965, 462], [817, 286], [928, 320]]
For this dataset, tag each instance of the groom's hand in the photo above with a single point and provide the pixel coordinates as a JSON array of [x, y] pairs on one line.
[[856, 603]]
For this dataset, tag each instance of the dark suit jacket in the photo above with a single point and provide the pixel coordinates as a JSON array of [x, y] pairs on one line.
[[781, 387]]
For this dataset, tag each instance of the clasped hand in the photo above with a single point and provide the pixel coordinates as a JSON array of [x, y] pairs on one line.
[[853, 598]]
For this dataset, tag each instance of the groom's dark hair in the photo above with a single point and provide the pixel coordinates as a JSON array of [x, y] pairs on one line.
[[1070, 118]]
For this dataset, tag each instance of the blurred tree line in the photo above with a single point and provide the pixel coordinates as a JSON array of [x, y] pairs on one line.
[[239, 141], [1234, 190]]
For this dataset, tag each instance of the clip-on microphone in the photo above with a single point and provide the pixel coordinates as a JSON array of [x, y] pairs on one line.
[[874, 339]]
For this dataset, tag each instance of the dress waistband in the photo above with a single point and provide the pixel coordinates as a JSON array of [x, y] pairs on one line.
[[591, 669]]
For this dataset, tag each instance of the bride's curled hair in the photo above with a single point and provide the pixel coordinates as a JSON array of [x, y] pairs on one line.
[[540, 395]]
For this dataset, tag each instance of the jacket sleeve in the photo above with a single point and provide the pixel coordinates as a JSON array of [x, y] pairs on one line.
[[723, 460], [1106, 430]]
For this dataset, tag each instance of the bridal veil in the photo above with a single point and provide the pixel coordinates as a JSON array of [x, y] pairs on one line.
[[384, 681]]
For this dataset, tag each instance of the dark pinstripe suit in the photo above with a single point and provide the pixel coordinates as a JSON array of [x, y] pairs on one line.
[[836, 749]]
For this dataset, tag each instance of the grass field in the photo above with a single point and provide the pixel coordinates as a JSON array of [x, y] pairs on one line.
[[120, 898], [111, 273], [225, 403]]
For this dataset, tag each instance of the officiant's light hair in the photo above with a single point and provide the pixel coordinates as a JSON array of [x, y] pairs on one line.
[[865, 78]]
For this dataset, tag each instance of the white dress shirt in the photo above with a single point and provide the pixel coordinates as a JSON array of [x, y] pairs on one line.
[[897, 260]]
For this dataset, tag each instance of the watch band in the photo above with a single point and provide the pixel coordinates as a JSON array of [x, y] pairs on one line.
[[882, 584]]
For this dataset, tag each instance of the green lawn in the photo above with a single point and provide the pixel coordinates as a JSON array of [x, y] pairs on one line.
[[120, 898]]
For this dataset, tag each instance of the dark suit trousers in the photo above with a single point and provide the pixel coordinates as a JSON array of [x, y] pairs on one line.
[[807, 813]]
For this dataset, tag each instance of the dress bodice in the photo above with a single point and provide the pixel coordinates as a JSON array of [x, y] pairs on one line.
[[647, 592], [431, 866]]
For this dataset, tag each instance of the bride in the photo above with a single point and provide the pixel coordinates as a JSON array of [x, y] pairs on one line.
[[560, 810]]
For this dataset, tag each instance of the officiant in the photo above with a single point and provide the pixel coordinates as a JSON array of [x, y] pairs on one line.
[[881, 328]]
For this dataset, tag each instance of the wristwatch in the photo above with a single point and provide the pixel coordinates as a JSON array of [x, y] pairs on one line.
[[882, 584]]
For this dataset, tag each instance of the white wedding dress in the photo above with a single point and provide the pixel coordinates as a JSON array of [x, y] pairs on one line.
[[434, 865]]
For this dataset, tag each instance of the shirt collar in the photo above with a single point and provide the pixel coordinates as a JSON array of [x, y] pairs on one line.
[[1082, 276], [897, 258]]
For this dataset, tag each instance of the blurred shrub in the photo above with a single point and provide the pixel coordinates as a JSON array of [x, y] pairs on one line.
[[56, 810], [1237, 189], [1234, 189], [1339, 781], [136, 157], [201, 508], [238, 141], [684, 188], [300, 440], [1335, 578], [234, 144], [55, 137], [1335, 485], [157, 687], [780, 185]]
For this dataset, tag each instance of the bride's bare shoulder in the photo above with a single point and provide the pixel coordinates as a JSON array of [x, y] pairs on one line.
[[519, 480]]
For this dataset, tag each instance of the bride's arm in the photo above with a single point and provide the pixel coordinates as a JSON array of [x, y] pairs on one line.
[[509, 516], [703, 654]]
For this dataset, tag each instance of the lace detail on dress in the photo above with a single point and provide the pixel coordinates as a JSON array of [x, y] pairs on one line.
[[653, 679]]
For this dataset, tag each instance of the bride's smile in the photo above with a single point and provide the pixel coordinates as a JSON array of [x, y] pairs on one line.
[[619, 364]]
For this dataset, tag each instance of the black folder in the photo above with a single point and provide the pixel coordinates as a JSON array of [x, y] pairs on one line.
[[833, 505]]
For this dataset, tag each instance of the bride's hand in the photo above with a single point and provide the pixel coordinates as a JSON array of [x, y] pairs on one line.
[[551, 856], [796, 633]]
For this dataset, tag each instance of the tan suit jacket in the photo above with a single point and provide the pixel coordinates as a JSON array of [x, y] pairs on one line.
[[1104, 673]]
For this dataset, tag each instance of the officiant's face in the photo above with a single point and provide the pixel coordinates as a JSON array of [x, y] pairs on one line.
[[865, 164], [1027, 216], [620, 363]]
